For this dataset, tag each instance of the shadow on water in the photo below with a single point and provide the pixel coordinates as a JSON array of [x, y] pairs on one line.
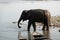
[[46, 33], [29, 35]]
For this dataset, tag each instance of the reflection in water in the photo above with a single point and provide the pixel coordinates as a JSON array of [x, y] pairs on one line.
[[9, 31], [46, 33], [20, 37], [22, 34], [29, 35]]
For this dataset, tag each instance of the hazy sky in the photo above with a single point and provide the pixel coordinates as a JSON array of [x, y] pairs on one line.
[[9, 1], [12, 11]]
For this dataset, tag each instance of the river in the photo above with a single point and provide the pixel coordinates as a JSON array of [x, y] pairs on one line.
[[10, 31]]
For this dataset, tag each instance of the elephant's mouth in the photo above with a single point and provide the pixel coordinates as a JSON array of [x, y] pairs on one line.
[[24, 20]]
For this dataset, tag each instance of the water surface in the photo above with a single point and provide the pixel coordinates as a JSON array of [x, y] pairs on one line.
[[10, 31]]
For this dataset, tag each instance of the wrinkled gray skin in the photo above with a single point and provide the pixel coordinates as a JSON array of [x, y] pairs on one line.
[[35, 15]]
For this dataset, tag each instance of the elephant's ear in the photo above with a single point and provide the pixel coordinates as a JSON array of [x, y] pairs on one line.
[[28, 13]]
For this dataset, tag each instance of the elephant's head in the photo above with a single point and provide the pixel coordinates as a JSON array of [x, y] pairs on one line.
[[24, 16]]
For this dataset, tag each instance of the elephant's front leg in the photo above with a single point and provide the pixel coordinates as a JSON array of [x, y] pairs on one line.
[[29, 25], [34, 26]]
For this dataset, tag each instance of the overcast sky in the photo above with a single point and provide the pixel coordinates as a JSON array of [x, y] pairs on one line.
[[9, 1]]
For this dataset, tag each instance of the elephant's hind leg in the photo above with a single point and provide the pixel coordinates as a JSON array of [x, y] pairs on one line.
[[43, 27], [47, 28]]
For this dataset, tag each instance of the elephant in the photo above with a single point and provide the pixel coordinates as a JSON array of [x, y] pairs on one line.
[[35, 15]]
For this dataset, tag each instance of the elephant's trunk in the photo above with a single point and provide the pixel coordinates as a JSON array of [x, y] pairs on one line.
[[19, 22]]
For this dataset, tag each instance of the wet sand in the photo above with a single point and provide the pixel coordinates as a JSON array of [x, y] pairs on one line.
[[10, 31]]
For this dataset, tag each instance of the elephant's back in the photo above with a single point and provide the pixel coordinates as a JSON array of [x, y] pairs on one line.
[[36, 10], [37, 15]]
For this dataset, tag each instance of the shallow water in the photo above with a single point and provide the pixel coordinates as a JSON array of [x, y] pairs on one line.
[[10, 31]]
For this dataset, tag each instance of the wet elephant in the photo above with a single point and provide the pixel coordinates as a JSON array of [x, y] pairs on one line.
[[35, 15]]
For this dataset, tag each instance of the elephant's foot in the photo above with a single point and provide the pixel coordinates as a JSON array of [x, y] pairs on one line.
[[43, 29], [47, 29], [34, 30], [28, 30]]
